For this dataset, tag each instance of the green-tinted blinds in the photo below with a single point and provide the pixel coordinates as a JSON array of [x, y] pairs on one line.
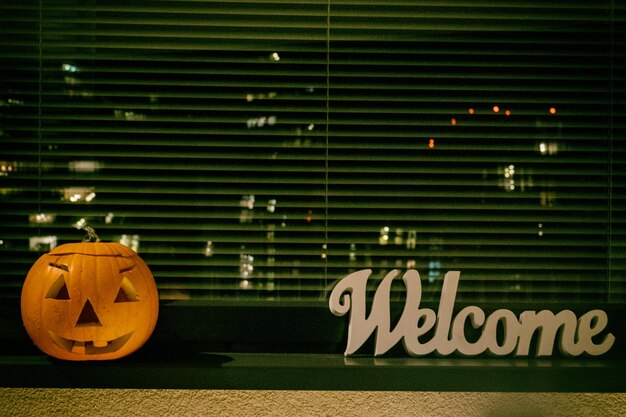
[[264, 149]]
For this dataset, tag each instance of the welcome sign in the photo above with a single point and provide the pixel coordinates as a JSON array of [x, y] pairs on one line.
[[424, 331]]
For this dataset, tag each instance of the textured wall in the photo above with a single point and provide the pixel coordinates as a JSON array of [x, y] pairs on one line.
[[105, 402]]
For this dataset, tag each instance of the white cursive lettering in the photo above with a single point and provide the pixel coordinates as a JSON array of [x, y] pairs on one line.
[[349, 295]]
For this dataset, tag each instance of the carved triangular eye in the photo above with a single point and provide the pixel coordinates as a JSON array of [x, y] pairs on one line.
[[58, 290], [127, 292]]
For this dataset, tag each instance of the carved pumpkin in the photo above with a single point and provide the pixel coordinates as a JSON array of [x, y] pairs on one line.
[[89, 301]]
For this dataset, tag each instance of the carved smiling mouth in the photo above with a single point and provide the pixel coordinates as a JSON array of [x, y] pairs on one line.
[[91, 347]]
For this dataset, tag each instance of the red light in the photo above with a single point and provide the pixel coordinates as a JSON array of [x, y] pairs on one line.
[[470, 110], [508, 112], [496, 109], [552, 110], [431, 143], [453, 121]]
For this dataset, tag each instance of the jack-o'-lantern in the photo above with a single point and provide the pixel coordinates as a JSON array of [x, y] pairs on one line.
[[89, 301]]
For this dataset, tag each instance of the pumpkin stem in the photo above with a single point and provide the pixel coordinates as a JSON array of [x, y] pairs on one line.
[[91, 235]]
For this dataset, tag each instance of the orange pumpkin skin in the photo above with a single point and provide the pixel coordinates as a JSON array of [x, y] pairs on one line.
[[89, 301]]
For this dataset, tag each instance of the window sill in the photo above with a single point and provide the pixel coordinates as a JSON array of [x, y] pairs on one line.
[[290, 347], [281, 371]]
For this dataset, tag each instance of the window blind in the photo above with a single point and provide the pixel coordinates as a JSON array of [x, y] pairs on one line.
[[265, 149]]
